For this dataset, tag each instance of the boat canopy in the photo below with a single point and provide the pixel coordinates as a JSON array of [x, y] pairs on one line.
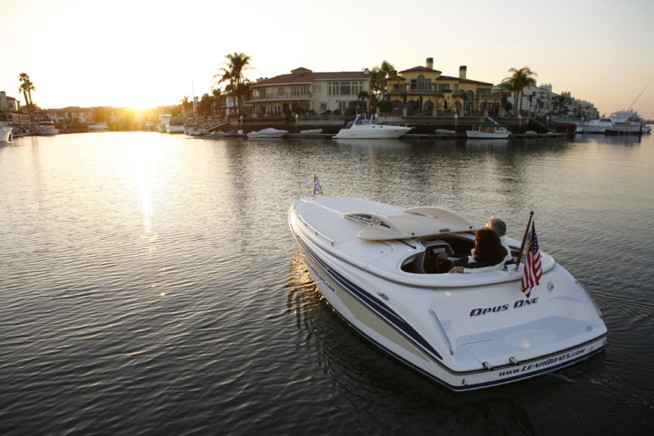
[[417, 222]]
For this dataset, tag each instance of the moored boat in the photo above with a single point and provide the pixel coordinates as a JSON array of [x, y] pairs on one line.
[[46, 128], [175, 125], [6, 134], [373, 264], [269, 132], [98, 127], [595, 126], [360, 127], [619, 122], [488, 131]]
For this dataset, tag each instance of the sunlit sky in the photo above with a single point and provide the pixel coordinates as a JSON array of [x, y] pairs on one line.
[[147, 53]]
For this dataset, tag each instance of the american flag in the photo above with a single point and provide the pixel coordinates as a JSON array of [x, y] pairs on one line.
[[317, 189], [533, 269]]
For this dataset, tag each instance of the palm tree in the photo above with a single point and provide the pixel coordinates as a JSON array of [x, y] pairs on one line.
[[26, 87], [232, 74], [519, 80], [378, 79], [560, 103], [363, 95]]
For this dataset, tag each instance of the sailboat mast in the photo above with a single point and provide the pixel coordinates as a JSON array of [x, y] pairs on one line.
[[638, 96]]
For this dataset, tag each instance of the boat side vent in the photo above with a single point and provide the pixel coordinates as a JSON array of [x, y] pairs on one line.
[[443, 332]]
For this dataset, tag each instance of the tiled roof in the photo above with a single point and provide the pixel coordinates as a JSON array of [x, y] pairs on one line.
[[419, 68], [305, 76], [463, 80]]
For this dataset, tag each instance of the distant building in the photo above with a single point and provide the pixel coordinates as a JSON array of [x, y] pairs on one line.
[[540, 101], [304, 90], [8, 104], [426, 91], [71, 115]]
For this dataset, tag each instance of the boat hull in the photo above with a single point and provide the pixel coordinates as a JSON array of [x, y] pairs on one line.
[[419, 330], [472, 134], [267, 133], [373, 132], [5, 134]]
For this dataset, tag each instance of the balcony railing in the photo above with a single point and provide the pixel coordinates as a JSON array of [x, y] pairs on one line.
[[276, 96]]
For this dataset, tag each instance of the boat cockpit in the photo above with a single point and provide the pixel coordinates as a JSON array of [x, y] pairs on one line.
[[458, 245]]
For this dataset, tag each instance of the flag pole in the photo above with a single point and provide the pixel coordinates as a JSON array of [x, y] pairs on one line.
[[524, 240]]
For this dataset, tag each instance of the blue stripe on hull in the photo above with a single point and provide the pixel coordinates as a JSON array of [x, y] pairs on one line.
[[373, 304]]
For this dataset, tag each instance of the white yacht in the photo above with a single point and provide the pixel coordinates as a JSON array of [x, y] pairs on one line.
[[175, 125], [624, 121], [488, 131], [360, 127], [163, 122], [46, 128], [269, 132], [98, 127], [6, 133], [595, 126], [372, 263]]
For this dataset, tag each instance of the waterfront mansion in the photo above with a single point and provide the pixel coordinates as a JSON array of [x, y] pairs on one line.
[[420, 90]]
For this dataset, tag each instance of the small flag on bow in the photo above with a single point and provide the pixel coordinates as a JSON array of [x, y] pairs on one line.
[[317, 189], [533, 269]]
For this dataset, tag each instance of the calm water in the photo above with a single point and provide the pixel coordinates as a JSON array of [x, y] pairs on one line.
[[149, 285]]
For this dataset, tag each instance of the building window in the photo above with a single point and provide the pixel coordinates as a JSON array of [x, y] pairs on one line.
[[344, 88], [483, 92], [421, 84], [300, 90]]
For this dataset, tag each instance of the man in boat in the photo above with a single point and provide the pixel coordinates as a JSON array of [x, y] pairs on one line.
[[488, 254], [499, 227], [489, 257]]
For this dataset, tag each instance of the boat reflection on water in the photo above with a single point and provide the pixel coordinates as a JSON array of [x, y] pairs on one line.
[[487, 143], [388, 143], [303, 292]]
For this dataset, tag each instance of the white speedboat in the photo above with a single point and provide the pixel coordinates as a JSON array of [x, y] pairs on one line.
[[46, 128], [267, 133], [595, 126], [6, 134], [175, 125], [372, 263], [488, 131], [98, 127], [360, 127], [163, 122]]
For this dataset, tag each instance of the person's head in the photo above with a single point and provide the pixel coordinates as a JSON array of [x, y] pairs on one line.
[[497, 225], [488, 246]]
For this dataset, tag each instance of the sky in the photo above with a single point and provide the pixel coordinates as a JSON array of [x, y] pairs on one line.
[[144, 53]]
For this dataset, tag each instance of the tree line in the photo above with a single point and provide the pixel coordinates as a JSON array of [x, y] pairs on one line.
[[232, 77]]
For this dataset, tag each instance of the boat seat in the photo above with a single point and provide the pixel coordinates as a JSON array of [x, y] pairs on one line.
[[429, 261]]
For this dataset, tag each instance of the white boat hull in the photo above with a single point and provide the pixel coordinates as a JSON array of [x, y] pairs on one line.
[[486, 135], [627, 129], [99, 127], [446, 326], [5, 134], [267, 133], [374, 131]]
